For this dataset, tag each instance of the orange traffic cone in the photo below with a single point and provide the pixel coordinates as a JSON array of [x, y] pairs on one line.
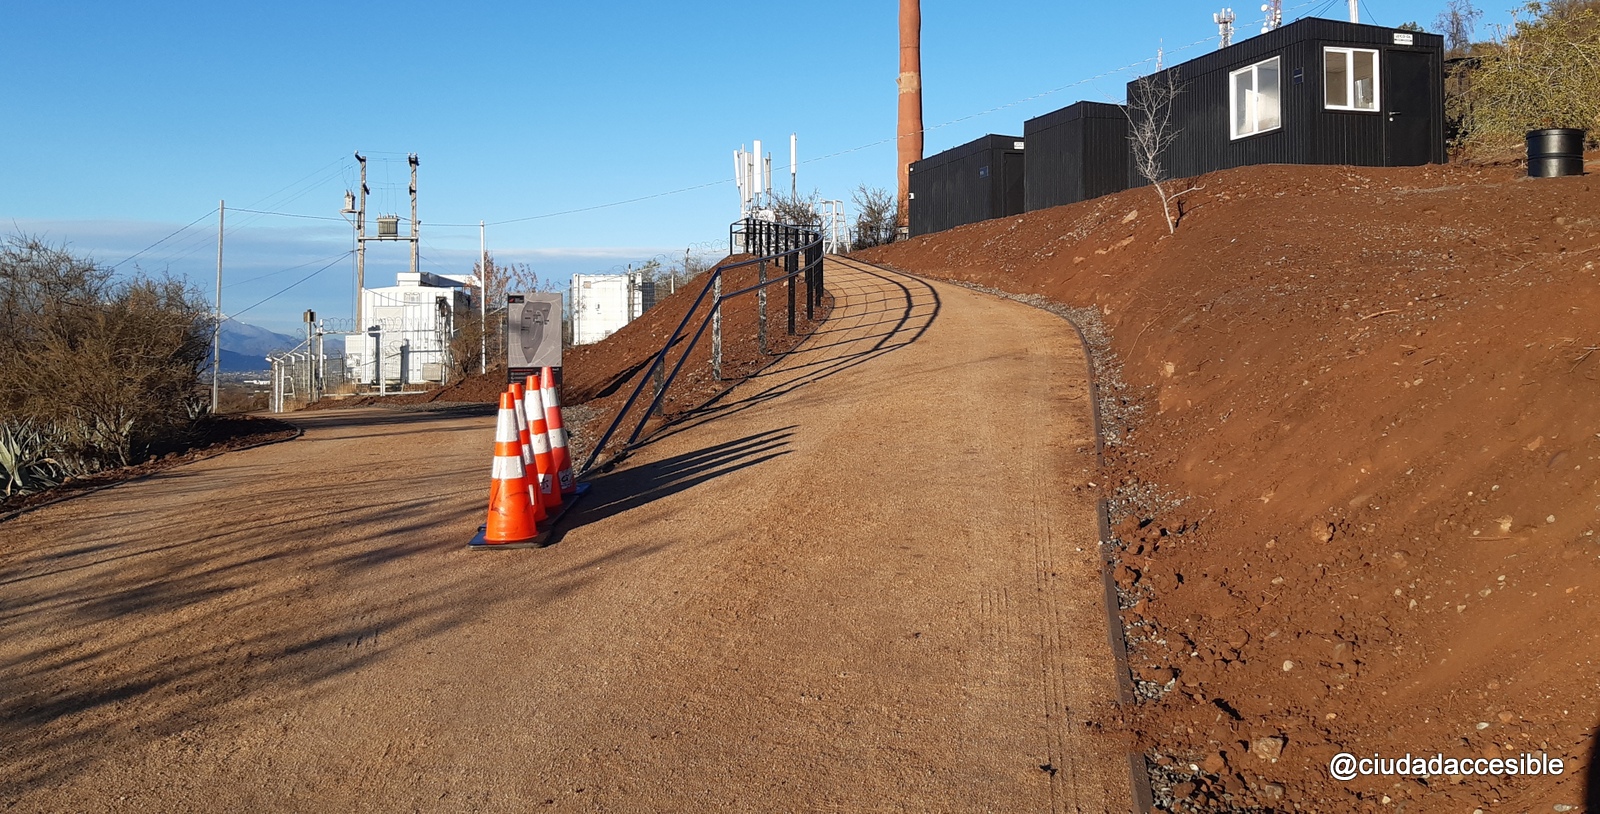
[[511, 516], [558, 434], [519, 397], [548, 490]]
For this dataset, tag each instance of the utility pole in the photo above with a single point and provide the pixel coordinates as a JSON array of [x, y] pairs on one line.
[[216, 333], [416, 225], [388, 229], [361, 243], [794, 169], [483, 303]]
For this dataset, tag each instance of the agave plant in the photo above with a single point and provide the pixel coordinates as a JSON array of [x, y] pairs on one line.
[[25, 465]]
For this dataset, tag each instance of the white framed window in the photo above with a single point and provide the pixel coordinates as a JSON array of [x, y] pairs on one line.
[[1350, 79], [1255, 98]]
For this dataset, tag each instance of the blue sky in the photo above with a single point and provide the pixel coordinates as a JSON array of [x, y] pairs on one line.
[[128, 121]]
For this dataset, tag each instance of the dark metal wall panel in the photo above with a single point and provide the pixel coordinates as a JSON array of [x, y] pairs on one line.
[[979, 180], [1074, 154], [1105, 155], [1309, 134]]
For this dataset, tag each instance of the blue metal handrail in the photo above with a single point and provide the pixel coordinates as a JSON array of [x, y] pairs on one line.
[[800, 248]]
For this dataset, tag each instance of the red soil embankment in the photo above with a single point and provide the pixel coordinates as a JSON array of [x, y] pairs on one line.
[[1358, 491]]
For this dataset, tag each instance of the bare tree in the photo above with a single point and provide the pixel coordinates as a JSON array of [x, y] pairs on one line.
[[1151, 131], [476, 335], [798, 210], [105, 367], [1456, 23], [877, 216]]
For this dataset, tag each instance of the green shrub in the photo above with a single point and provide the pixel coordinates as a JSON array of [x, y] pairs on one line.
[[1545, 72], [25, 463]]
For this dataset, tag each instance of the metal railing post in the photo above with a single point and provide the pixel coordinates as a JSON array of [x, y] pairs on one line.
[[661, 384], [814, 283], [791, 266], [716, 326], [796, 248], [761, 302]]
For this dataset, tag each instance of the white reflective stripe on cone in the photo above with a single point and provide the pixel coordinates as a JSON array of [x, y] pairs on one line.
[[506, 468], [541, 443], [522, 423], [533, 405], [505, 430], [558, 438]]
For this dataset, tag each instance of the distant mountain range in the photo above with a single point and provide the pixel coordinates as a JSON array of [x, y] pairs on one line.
[[245, 347]]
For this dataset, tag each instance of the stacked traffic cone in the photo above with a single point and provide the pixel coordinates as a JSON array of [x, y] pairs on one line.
[[519, 397], [547, 491], [511, 514], [558, 433]]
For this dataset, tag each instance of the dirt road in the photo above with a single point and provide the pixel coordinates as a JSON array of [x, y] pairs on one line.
[[861, 583]]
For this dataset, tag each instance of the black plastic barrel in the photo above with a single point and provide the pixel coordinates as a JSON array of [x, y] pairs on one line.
[[1556, 151]]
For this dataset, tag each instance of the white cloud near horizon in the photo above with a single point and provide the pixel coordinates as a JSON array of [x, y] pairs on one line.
[[261, 260]]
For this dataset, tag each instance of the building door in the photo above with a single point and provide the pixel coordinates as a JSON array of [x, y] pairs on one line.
[[1013, 189], [1407, 110]]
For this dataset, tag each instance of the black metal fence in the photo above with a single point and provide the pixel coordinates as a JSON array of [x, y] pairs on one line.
[[784, 253]]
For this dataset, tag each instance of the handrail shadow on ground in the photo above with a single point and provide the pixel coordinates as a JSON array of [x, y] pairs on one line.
[[624, 489], [718, 407]]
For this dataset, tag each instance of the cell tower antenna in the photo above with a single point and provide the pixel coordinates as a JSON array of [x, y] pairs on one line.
[[1274, 10], [1161, 50], [1224, 20]]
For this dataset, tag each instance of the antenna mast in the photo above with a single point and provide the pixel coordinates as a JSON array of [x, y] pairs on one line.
[[1274, 10], [1224, 20]]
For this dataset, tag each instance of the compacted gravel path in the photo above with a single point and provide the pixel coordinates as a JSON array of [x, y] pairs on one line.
[[866, 580]]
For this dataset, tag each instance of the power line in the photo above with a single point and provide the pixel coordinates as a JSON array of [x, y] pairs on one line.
[[681, 190], [165, 239], [340, 256], [285, 289], [284, 214], [1099, 76], [601, 206], [338, 164]]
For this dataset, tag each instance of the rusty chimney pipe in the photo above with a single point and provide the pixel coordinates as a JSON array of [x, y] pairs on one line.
[[910, 128]]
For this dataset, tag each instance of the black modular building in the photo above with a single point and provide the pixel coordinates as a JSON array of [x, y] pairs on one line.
[[1074, 154], [1314, 91], [979, 180]]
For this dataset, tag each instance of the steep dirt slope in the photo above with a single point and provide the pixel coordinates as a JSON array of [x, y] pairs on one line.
[[1354, 458]]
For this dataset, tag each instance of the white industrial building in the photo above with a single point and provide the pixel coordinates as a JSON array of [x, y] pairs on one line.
[[412, 323], [602, 303]]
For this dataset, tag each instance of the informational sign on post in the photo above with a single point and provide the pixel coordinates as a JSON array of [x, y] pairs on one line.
[[533, 333]]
